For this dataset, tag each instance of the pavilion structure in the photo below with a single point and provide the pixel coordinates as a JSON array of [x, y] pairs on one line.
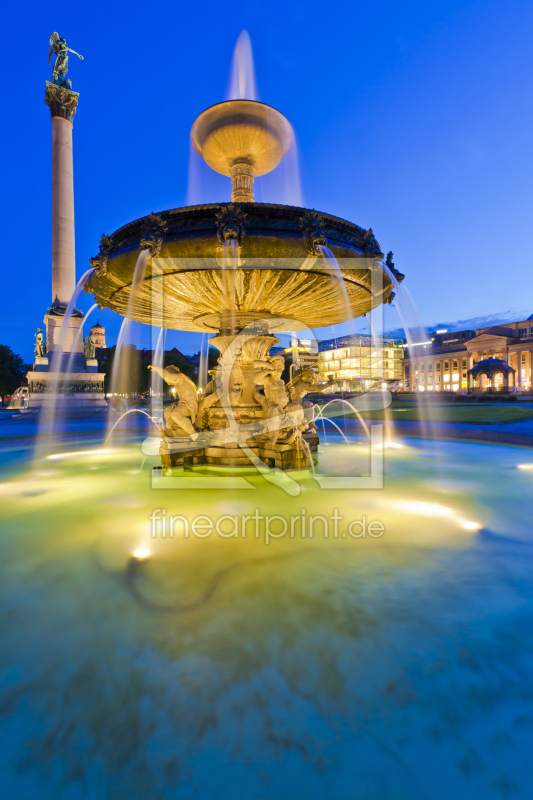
[[489, 368]]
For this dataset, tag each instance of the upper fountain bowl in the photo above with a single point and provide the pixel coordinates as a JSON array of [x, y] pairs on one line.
[[241, 130], [243, 139]]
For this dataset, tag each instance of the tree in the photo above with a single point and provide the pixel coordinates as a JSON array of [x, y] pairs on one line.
[[133, 376], [184, 364], [128, 378], [12, 371]]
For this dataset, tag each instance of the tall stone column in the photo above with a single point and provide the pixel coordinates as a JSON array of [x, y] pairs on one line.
[[63, 103]]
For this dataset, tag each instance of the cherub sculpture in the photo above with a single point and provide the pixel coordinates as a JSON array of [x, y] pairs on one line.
[[208, 399], [59, 47], [274, 398], [301, 384], [180, 416], [39, 343]]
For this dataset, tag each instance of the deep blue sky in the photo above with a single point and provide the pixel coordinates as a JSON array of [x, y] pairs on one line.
[[414, 118]]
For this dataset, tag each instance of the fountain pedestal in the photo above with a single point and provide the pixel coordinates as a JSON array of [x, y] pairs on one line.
[[177, 452]]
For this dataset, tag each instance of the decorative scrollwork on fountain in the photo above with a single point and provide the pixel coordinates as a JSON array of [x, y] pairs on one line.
[[153, 232], [313, 230], [231, 224], [99, 262], [370, 244], [390, 263]]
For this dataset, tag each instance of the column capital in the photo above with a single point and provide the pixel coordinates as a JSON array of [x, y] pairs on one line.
[[62, 102]]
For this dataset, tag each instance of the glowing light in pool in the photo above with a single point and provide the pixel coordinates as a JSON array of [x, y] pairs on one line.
[[141, 553], [81, 453], [469, 526], [525, 466], [436, 510], [426, 509]]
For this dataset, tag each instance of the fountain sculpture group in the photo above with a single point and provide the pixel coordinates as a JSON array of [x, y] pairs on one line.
[[241, 271]]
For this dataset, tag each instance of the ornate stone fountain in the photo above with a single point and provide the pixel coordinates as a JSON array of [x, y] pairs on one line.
[[241, 271]]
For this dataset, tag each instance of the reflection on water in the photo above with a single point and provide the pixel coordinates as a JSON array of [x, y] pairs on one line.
[[390, 667]]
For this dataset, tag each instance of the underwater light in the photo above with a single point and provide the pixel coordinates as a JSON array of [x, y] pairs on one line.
[[393, 445], [525, 466], [141, 553], [427, 509], [469, 526], [436, 510]]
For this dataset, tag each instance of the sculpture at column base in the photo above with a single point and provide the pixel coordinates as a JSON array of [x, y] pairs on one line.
[[39, 344]]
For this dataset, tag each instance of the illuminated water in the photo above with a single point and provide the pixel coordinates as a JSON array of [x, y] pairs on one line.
[[392, 667]]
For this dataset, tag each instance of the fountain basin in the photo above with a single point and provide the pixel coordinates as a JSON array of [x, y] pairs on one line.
[[279, 270]]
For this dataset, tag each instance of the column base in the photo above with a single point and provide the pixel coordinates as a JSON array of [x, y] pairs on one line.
[[40, 365], [66, 391]]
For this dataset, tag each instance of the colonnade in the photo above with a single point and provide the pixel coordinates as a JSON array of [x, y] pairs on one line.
[[449, 372]]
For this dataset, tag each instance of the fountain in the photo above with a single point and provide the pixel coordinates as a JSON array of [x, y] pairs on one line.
[[240, 271], [229, 633]]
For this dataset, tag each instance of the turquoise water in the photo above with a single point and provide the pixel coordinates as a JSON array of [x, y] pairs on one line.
[[309, 667]]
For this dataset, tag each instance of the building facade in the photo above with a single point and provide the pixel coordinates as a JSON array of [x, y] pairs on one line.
[[98, 334], [359, 363], [304, 353], [442, 362]]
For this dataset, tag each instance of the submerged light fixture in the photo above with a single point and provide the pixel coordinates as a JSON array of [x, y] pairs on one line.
[[141, 554]]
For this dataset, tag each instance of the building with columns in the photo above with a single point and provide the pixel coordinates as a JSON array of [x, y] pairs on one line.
[[443, 361]]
